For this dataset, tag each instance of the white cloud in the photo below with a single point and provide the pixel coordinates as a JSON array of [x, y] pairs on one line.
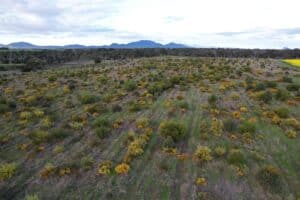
[[230, 23]]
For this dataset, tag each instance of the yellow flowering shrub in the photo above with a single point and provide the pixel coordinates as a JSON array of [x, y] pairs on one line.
[[220, 151], [48, 170], [7, 170], [243, 109], [122, 168], [217, 127], [201, 181], [105, 168], [203, 153], [291, 134]]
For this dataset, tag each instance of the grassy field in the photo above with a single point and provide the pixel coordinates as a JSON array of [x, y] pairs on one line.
[[152, 128], [294, 62]]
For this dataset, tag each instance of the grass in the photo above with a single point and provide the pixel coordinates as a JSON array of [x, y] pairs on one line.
[[191, 118]]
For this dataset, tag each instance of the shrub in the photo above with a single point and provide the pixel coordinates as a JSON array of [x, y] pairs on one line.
[[87, 162], [32, 197], [293, 87], [101, 122], [247, 127], [216, 127], [282, 112], [59, 134], [58, 149], [287, 79], [260, 87], [202, 153], [4, 108], [116, 108], [102, 132], [134, 106], [269, 177], [220, 151], [52, 78], [48, 170], [271, 84], [87, 98], [212, 99], [266, 97], [282, 95], [201, 181], [130, 85], [291, 134], [230, 125], [182, 105], [122, 168], [39, 136], [105, 168], [172, 129], [7, 170], [142, 123], [236, 157], [169, 142], [25, 115]]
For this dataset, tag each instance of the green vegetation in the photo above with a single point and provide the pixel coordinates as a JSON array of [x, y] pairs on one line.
[[151, 128]]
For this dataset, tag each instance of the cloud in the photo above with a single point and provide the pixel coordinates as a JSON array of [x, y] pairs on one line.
[[231, 23]]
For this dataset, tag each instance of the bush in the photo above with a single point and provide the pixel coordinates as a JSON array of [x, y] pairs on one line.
[[101, 122], [172, 129], [287, 79], [52, 78], [247, 127], [59, 134], [87, 98], [269, 177], [293, 87], [4, 108], [202, 153], [282, 112], [266, 97], [130, 85], [39, 136], [212, 99], [230, 125], [105, 168], [102, 132], [7, 170], [103, 127], [282, 95], [134, 106], [260, 87], [220, 151], [236, 157], [182, 105], [116, 108], [87, 162], [122, 168], [271, 84], [32, 197], [169, 142]]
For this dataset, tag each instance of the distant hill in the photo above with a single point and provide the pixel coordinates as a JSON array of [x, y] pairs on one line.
[[21, 45], [131, 45]]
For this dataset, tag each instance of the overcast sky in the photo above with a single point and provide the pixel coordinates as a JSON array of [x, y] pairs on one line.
[[200, 23]]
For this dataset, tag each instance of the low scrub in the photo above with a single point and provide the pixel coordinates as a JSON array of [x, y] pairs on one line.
[[173, 129], [236, 157], [270, 178], [203, 153], [7, 170]]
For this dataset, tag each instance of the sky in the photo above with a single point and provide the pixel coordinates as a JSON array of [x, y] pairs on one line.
[[198, 23]]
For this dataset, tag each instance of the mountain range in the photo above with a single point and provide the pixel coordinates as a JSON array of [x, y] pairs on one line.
[[131, 45]]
